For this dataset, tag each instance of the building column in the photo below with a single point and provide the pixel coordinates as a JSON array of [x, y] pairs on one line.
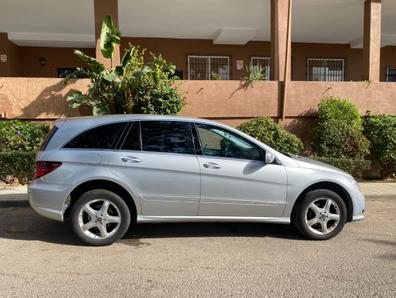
[[281, 49], [372, 40], [280, 40], [104, 8], [9, 57]]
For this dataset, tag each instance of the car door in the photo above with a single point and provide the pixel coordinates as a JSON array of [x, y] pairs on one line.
[[158, 160], [234, 179]]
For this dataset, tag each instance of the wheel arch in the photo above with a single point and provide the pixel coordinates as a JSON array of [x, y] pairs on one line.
[[103, 184], [337, 188]]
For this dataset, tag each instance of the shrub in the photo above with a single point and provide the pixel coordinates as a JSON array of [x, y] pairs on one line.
[[265, 130], [339, 140], [354, 166], [338, 133], [340, 109], [17, 166], [17, 135], [253, 73], [381, 131]]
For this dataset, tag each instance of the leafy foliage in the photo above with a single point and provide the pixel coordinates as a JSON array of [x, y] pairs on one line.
[[381, 131], [17, 135], [354, 166], [340, 109], [254, 73], [17, 166], [132, 86], [338, 133], [274, 135], [110, 36], [337, 139], [215, 76]]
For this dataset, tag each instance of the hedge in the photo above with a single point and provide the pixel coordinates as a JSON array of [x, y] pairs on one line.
[[381, 132], [16, 135], [355, 167], [17, 166], [338, 133], [272, 134]]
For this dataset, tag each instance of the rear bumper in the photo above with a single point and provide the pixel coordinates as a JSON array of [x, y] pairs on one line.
[[48, 200]]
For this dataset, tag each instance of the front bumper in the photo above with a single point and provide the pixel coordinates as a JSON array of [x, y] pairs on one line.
[[358, 204], [48, 200]]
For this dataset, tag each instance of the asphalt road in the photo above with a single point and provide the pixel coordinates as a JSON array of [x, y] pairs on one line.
[[39, 257]]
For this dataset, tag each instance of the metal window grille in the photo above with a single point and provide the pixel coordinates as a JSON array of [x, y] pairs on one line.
[[326, 69], [264, 63], [208, 67], [391, 74]]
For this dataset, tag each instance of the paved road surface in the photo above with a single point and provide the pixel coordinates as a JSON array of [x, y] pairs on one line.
[[39, 257]]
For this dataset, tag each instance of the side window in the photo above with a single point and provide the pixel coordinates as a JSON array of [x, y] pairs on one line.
[[132, 140], [216, 141], [101, 137], [167, 136]]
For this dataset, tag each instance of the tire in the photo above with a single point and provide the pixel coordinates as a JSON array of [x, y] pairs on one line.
[[321, 215], [100, 217]]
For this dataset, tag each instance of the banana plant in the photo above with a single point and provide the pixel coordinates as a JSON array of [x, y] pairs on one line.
[[110, 37], [129, 87]]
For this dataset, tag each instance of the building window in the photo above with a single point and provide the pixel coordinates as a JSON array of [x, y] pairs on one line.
[[391, 74], [324, 69], [208, 67], [64, 72], [264, 63]]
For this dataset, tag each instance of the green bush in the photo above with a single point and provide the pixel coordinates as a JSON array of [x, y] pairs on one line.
[[339, 140], [17, 166], [338, 133], [267, 131], [18, 135], [356, 167], [133, 86], [340, 109], [381, 131]]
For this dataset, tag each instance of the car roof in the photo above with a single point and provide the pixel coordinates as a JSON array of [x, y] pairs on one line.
[[96, 120]]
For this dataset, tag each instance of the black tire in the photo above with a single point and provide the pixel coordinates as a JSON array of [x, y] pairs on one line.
[[299, 217], [117, 205]]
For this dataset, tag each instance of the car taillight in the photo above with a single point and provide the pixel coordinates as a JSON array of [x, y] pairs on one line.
[[44, 167]]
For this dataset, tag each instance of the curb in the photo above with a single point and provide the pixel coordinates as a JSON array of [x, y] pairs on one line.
[[380, 197], [14, 203]]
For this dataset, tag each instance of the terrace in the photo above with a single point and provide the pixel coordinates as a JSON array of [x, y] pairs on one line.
[[308, 48]]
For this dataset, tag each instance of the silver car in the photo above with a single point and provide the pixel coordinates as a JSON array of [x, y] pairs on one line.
[[106, 173]]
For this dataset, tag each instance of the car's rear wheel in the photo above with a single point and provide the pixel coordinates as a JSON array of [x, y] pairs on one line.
[[321, 215], [100, 217]]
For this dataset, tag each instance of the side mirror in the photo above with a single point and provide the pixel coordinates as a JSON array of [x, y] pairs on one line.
[[269, 157]]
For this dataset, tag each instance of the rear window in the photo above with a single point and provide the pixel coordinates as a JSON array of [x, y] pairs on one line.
[[101, 137], [48, 138]]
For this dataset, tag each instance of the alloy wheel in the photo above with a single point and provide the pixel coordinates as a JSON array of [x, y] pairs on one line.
[[322, 216], [99, 219]]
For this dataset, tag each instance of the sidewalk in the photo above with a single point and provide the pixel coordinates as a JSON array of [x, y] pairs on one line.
[[378, 190], [14, 196], [17, 196]]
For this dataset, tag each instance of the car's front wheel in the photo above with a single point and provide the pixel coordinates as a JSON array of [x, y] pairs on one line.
[[321, 215], [100, 217]]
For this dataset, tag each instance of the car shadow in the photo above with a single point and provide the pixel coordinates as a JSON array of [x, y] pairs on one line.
[[24, 224]]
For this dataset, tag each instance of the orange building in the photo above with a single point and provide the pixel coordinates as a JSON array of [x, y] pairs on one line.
[[308, 49]]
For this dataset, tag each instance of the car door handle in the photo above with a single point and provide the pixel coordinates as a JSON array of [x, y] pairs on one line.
[[130, 159], [211, 165]]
